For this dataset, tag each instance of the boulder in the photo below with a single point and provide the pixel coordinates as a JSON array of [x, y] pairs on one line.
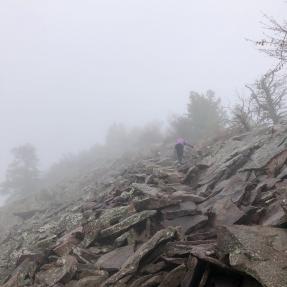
[[23, 274], [191, 265], [152, 203], [146, 189], [88, 270], [108, 218], [127, 223], [66, 243], [185, 196], [60, 272], [258, 251], [154, 268], [174, 277], [148, 280], [91, 281], [113, 260], [274, 215], [182, 209], [226, 212], [130, 267], [188, 224]]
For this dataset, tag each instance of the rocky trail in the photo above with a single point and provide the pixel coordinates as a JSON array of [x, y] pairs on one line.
[[219, 220]]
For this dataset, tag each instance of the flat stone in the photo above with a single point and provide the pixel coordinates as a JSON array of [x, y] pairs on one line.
[[183, 209], [127, 223], [72, 283], [146, 189], [22, 273], [27, 255], [122, 240], [188, 223], [226, 212], [274, 215], [61, 272], [113, 260], [108, 218], [173, 260], [91, 281], [182, 195], [148, 280], [174, 277], [191, 176], [191, 267], [131, 266], [154, 267], [46, 243], [153, 203], [258, 251], [66, 243], [202, 251], [202, 235], [88, 270]]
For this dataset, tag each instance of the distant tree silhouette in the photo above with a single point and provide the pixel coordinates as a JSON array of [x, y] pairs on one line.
[[117, 138], [206, 114], [22, 173], [205, 117], [180, 126], [147, 135]]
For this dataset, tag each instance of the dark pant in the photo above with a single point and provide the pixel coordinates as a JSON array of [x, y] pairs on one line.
[[179, 152]]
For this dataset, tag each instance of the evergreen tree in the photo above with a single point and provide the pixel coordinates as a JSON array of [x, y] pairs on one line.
[[22, 173]]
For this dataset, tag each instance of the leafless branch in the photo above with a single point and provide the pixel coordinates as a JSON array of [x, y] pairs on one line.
[[268, 96], [274, 43]]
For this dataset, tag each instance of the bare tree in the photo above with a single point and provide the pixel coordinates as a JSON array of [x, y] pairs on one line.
[[275, 42], [268, 96], [242, 116]]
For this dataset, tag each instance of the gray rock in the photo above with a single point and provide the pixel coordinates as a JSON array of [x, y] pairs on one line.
[[61, 272], [132, 264], [127, 223], [258, 251], [188, 224], [113, 260]]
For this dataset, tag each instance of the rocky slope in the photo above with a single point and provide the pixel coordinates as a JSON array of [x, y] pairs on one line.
[[218, 221]]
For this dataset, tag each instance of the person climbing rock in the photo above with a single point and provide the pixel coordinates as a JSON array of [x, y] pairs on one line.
[[179, 148]]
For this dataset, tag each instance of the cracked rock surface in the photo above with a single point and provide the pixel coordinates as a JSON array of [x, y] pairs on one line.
[[219, 220]]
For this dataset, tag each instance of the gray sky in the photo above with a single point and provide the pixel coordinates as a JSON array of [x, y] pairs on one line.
[[69, 69]]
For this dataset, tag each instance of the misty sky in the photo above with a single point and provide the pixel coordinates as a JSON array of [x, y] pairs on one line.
[[69, 69]]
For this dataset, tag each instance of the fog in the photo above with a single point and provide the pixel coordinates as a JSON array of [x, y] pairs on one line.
[[69, 69]]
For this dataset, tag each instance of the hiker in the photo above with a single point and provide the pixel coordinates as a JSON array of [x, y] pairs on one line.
[[179, 148]]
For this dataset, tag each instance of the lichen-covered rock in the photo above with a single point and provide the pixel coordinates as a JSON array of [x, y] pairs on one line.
[[60, 272], [187, 224], [131, 266], [127, 223], [23, 275], [123, 208], [108, 218], [258, 251], [184, 208], [185, 196], [65, 244], [146, 189], [152, 203]]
